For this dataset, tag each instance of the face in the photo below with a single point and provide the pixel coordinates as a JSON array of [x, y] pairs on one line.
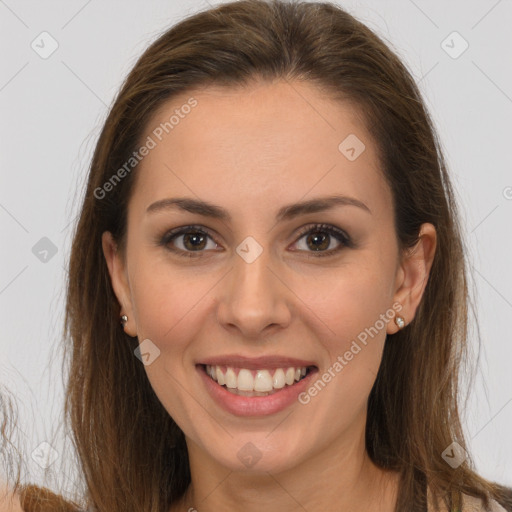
[[265, 286]]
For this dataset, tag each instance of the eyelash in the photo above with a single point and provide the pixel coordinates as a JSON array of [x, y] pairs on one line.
[[325, 228]]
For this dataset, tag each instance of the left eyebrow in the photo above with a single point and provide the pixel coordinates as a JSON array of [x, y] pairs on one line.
[[287, 212]]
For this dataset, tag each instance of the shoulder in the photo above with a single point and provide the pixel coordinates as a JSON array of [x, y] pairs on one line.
[[9, 501], [472, 504], [32, 498]]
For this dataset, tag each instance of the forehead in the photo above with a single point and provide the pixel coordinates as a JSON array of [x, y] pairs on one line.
[[258, 145]]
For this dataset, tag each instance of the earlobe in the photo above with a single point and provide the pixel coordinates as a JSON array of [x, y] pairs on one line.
[[119, 280], [413, 274]]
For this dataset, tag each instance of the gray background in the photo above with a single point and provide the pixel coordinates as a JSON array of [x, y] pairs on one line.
[[51, 114]]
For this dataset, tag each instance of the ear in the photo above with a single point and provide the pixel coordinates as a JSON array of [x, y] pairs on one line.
[[412, 275], [119, 279]]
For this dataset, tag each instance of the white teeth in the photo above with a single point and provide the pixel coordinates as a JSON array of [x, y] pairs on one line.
[[260, 381], [278, 381], [231, 378], [245, 380], [220, 376], [263, 381]]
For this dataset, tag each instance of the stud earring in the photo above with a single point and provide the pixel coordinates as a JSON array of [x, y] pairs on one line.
[[123, 320], [400, 322]]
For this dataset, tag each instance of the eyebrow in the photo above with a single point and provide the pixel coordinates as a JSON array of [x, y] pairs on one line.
[[287, 212]]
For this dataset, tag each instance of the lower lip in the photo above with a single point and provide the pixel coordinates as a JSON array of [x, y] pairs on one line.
[[257, 405]]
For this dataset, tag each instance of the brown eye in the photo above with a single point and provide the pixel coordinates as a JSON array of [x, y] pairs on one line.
[[186, 241], [318, 239], [194, 241]]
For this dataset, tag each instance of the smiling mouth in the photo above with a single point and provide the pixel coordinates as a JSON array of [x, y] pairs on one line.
[[261, 382]]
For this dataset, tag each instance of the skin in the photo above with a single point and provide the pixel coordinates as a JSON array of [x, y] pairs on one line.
[[9, 501], [253, 150]]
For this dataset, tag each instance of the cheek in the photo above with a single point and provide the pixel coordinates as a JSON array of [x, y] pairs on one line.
[[354, 310], [347, 300], [166, 306], [165, 298]]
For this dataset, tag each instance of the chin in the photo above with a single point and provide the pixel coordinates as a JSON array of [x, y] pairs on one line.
[[261, 453]]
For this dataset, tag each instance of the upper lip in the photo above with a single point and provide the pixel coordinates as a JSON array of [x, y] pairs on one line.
[[256, 363]]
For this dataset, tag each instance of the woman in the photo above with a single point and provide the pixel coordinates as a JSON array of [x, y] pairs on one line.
[[269, 216]]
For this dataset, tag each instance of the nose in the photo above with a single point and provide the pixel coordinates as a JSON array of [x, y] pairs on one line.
[[255, 300]]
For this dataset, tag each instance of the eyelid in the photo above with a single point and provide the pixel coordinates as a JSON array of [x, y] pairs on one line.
[[174, 233], [328, 228], [339, 234]]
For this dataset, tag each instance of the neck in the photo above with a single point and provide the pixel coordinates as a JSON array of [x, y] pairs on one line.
[[341, 477]]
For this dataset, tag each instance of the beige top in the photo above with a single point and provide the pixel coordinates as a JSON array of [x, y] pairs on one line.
[[472, 504]]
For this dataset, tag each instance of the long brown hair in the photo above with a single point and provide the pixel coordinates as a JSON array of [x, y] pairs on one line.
[[132, 454]]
